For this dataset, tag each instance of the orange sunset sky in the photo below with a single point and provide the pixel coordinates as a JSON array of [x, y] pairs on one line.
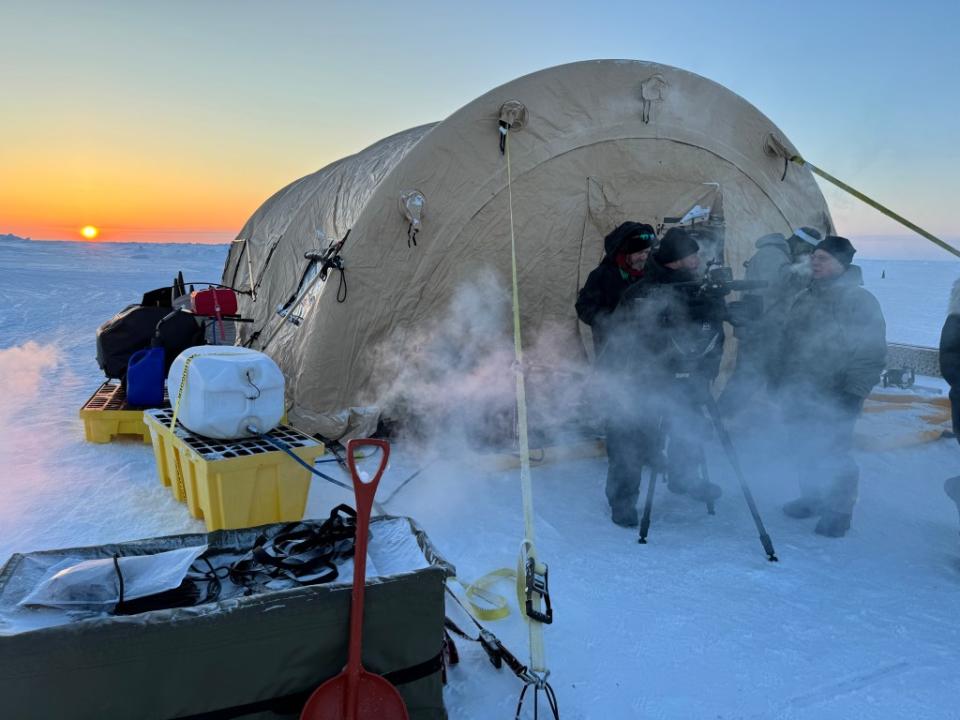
[[174, 121]]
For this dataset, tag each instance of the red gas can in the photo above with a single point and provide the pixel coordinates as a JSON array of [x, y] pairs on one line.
[[214, 302]]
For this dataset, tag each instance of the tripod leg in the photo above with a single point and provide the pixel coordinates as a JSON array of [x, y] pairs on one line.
[[705, 476], [727, 444], [647, 507]]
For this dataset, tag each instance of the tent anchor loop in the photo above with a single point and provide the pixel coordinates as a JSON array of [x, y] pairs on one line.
[[504, 129], [538, 681]]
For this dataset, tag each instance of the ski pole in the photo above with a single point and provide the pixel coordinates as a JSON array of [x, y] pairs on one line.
[[735, 462]]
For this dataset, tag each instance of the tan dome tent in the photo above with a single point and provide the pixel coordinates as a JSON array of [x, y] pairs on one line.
[[591, 144]]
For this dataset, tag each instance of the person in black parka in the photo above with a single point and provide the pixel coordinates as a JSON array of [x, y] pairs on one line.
[[625, 254], [950, 369], [663, 351]]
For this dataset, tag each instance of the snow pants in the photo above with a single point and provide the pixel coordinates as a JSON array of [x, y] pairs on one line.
[[821, 450], [633, 445], [629, 448], [751, 374]]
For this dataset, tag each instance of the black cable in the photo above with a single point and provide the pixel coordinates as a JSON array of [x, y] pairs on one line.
[[276, 442], [213, 284]]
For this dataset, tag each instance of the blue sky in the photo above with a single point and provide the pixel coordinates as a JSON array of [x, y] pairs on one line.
[[244, 97]]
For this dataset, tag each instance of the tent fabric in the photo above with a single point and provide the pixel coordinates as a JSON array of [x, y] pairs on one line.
[[601, 142]]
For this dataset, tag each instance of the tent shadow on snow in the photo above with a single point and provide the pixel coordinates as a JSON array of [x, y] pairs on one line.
[[590, 144]]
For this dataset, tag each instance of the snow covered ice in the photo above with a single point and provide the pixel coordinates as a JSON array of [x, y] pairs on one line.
[[697, 624]]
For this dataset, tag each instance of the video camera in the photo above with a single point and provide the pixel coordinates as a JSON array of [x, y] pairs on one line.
[[719, 282]]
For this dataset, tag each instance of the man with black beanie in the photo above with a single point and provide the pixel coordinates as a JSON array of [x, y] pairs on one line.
[[665, 344], [833, 351]]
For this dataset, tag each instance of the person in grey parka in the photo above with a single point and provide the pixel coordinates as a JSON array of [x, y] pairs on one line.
[[782, 264], [833, 351]]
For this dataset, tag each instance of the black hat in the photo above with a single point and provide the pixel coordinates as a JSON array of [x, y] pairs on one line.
[[839, 247], [676, 245], [630, 237]]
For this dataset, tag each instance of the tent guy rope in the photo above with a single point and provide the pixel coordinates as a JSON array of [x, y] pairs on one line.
[[531, 574]]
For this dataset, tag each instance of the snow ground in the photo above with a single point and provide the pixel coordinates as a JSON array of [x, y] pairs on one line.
[[697, 624]]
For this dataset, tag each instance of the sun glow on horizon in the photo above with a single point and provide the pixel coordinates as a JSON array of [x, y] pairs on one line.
[[89, 232]]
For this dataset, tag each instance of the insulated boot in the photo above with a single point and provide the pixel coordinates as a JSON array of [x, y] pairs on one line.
[[706, 492], [833, 524], [625, 516], [802, 508]]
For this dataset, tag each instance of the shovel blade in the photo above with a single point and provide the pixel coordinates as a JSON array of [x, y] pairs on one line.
[[377, 699]]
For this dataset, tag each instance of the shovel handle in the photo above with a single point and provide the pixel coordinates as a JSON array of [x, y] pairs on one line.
[[365, 491]]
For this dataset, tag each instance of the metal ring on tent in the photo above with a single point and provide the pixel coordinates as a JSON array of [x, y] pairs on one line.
[[774, 147], [512, 116], [653, 89], [412, 204]]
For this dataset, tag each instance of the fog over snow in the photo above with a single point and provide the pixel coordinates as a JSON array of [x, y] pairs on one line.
[[696, 624]]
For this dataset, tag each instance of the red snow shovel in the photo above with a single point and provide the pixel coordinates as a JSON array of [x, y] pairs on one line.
[[356, 694]]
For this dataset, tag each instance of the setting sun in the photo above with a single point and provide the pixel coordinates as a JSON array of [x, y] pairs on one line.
[[89, 232]]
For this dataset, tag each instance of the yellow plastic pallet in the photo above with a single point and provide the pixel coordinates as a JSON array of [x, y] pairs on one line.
[[233, 483], [106, 415]]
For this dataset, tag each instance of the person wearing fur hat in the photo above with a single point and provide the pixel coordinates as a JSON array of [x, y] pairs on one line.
[[950, 370], [783, 264], [833, 351], [625, 255], [666, 342], [803, 242]]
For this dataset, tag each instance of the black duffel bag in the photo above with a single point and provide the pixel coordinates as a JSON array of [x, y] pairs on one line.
[[133, 329]]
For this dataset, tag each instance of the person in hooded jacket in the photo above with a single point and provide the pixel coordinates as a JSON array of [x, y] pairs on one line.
[[833, 351], [950, 370], [783, 264], [666, 342], [626, 252], [625, 255]]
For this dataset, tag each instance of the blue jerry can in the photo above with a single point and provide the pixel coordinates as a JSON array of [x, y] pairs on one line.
[[145, 376]]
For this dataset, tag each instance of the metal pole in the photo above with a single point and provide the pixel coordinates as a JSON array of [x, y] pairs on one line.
[[727, 444]]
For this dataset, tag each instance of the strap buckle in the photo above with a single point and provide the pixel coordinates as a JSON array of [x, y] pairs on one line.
[[492, 647], [537, 584]]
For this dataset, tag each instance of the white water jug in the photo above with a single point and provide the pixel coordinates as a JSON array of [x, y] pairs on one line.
[[226, 389]]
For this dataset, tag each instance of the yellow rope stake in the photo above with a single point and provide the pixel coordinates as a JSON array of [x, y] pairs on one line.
[[527, 549], [874, 204]]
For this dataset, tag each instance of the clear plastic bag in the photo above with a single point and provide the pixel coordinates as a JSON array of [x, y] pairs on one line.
[[95, 584]]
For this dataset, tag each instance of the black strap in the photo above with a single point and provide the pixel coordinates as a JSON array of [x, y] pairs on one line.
[[293, 703], [298, 551], [418, 671]]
